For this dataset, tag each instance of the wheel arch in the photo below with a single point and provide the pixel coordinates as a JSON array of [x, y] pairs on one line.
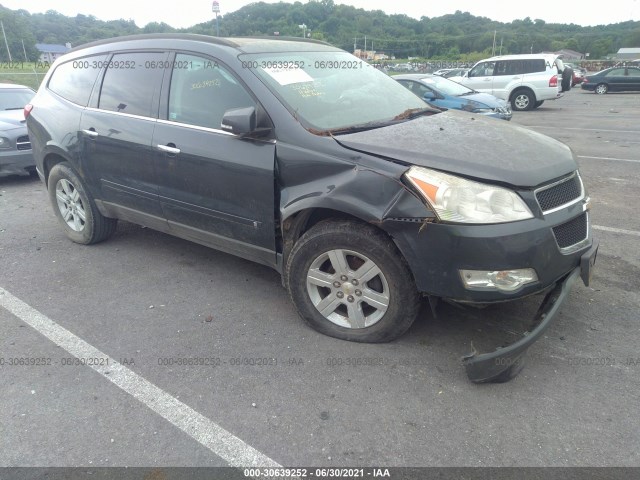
[[523, 88]]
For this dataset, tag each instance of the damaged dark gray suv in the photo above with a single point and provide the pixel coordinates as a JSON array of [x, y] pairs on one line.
[[299, 156]]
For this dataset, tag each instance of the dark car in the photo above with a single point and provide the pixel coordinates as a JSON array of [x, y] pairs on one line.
[[615, 79], [297, 155], [16, 157], [443, 93]]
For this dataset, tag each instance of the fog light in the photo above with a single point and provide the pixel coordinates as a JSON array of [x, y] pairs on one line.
[[504, 280]]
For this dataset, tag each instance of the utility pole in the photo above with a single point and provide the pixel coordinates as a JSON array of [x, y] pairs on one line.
[[493, 48], [355, 44], [24, 50], [215, 8], [5, 41], [501, 38], [365, 46]]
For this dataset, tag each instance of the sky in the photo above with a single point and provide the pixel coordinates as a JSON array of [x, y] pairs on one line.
[[185, 13]]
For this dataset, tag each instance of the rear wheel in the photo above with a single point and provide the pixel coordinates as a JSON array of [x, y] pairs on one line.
[[602, 88], [348, 280], [538, 103], [522, 100], [75, 208]]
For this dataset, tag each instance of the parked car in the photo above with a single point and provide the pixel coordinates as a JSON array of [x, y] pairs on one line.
[[578, 73], [299, 156], [443, 93], [455, 72], [615, 79], [16, 157], [524, 80]]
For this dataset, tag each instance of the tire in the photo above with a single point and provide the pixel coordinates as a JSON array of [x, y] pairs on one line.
[[522, 100], [325, 268], [75, 209], [537, 104], [601, 88]]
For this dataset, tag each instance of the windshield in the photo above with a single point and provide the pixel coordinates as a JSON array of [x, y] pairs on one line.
[[332, 90], [15, 98], [446, 86]]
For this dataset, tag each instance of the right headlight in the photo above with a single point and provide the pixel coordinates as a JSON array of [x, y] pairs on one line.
[[4, 142], [459, 200]]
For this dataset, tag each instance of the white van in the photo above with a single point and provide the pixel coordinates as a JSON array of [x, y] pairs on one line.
[[524, 80]]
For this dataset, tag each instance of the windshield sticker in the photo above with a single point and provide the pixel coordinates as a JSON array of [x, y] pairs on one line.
[[306, 90], [287, 76]]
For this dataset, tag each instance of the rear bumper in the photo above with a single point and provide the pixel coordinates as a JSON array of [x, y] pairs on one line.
[[506, 362]]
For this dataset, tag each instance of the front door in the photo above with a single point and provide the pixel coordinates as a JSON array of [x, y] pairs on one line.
[[215, 188]]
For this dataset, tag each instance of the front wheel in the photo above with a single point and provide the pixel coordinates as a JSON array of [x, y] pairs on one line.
[[602, 89], [348, 280], [75, 208]]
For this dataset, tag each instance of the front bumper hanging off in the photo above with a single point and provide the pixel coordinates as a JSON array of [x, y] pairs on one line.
[[506, 362]]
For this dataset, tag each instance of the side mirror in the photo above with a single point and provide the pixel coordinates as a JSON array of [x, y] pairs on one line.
[[239, 121], [429, 96]]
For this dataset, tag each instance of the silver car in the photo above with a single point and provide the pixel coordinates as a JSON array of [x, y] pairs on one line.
[[16, 156]]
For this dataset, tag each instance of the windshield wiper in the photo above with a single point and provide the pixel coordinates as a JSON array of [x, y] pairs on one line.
[[412, 113], [355, 128], [14, 108], [406, 115]]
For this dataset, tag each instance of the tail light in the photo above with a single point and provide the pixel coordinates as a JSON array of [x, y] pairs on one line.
[[27, 110], [553, 81], [585, 80]]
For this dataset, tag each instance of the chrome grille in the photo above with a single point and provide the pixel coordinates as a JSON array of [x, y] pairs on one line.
[[561, 193], [23, 143], [570, 235]]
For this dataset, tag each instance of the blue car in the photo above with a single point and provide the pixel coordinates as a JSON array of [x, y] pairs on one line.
[[444, 93]]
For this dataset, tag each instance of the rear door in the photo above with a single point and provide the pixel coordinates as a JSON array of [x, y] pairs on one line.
[[616, 79], [507, 76], [116, 134], [215, 188]]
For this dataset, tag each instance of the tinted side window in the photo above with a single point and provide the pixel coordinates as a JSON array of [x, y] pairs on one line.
[[509, 67], [484, 69], [202, 90], [534, 65], [633, 72], [616, 72], [128, 84], [74, 80]]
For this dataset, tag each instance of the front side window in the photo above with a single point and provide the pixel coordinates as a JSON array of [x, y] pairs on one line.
[[74, 80], [202, 91], [129, 83], [484, 69]]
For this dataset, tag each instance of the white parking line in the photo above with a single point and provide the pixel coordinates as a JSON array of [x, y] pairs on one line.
[[616, 230], [582, 129], [609, 158], [206, 432]]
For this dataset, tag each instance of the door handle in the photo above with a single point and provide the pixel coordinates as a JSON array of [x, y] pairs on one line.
[[91, 132], [169, 148]]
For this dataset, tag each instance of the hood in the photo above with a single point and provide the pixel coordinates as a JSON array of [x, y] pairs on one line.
[[482, 100], [469, 145], [10, 119]]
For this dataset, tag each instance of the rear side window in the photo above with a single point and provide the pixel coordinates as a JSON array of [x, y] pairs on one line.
[[129, 84], [74, 80], [202, 91], [534, 65]]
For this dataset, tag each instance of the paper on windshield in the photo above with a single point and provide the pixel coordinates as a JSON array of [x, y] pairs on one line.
[[287, 76]]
